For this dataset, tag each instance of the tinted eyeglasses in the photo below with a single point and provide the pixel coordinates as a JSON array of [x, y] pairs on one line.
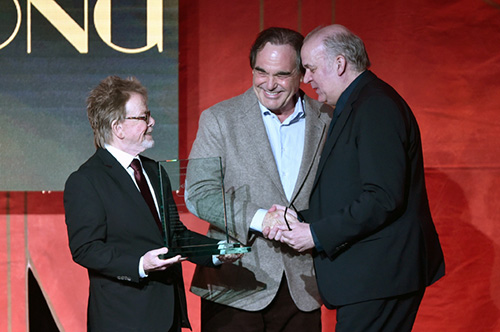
[[146, 117]]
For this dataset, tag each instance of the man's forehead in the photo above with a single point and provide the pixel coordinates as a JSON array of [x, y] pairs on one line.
[[276, 58], [312, 51], [135, 101], [270, 50]]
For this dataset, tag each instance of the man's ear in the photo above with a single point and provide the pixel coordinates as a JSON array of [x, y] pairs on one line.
[[340, 65], [117, 129]]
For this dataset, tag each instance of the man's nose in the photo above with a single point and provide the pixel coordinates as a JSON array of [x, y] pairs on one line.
[[307, 77], [151, 122], [271, 82]]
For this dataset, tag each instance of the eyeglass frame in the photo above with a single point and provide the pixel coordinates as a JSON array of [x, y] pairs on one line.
[[146, 117]]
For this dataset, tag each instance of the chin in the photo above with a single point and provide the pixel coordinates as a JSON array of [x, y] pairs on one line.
[[148, 144], [272, 105]]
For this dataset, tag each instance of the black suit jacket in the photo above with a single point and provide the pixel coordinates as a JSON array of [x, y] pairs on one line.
[[369, 207], [110, 227]]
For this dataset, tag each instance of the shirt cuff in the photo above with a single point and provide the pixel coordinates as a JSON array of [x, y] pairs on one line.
[[142, 273], [258, 218], [215, 258]]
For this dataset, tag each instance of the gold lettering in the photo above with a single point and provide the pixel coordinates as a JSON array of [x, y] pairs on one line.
[[154, 25], [77, 36], [16, 29]]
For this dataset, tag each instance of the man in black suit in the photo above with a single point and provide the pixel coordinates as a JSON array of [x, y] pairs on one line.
[[375, 245], [112, 230]]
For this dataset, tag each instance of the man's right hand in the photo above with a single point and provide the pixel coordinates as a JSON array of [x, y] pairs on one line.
[[152, 262], [275, 218]]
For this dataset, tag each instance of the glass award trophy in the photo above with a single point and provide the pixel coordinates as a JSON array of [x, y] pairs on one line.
[[207, 191]]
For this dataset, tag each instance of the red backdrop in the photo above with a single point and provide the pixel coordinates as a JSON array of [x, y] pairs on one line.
[[444, 59]]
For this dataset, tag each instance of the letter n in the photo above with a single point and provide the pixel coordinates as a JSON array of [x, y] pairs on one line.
[[77, 36], [154, 25]]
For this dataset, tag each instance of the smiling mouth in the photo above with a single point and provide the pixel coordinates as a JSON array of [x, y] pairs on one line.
[[271, 94]]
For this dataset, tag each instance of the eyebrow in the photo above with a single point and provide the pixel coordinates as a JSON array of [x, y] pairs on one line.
[[278, 73]]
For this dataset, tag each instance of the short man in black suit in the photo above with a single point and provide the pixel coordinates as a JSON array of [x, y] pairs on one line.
[[112, 230], [375, 245]]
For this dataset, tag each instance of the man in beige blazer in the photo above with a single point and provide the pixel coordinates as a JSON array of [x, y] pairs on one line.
[[269, 140]]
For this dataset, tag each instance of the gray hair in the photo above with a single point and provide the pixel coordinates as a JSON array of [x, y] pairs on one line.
[[343, 42], [106, 104]]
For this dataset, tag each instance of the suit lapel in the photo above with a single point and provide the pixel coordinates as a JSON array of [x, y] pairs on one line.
[[315, 128], [126, 184], [119, 174], [341, 121], [152, 169], [253, 129]]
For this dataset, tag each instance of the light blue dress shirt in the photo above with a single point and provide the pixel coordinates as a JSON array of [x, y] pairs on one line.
[[287, 143]]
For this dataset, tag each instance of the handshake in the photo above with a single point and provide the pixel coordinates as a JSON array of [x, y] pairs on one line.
[[283, 225]]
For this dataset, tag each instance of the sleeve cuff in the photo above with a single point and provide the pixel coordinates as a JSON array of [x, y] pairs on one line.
[[258, 218], [215, 258], [317, 244], [142, 273]]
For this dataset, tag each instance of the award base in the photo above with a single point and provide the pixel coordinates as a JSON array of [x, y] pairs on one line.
[[206, 250]]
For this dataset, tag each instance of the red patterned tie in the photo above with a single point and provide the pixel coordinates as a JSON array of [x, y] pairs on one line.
[[144, 188]]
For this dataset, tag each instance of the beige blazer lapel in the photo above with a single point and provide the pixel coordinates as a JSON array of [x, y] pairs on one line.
[[313, 143], [257, 142]]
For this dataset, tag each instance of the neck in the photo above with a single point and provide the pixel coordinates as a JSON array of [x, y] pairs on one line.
[[352, 75], [121, 147]]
